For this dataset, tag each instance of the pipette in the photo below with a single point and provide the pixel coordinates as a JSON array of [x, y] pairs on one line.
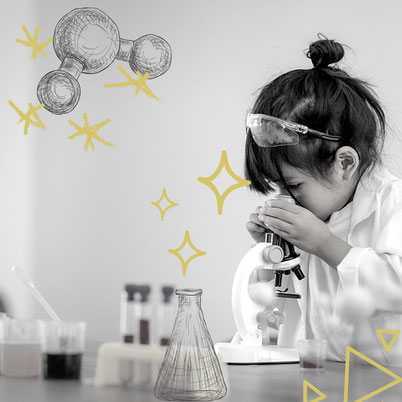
[[21, 275]]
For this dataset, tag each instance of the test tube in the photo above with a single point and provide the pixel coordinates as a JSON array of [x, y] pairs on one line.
[[166, 315], [144, 368], [145, 315], [128, 314]]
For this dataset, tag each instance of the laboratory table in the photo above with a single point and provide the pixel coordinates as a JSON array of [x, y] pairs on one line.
[[268, 383]]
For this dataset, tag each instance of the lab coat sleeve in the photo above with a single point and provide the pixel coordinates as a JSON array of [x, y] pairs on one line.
[[378, 267]]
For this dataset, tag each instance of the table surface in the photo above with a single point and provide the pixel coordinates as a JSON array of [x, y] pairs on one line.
[[268, 383]]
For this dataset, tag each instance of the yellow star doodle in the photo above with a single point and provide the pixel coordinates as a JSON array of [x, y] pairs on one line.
[[33, 42], [220, 198], [32, 111], [164, 196], [176, 252], [140, 84], [90, 131], [350, 350]]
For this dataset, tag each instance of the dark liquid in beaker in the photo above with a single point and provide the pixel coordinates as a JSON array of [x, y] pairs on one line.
[[62, 366], [128, 339], [312, 365], [164, 341], [144, 332]]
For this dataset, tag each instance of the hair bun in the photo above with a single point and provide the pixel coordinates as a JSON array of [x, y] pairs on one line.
[[324, 52]]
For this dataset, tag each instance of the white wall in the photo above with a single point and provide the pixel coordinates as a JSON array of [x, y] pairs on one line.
[[16, 163], [81, 222]]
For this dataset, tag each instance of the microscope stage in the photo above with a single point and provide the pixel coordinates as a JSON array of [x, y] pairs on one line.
[[249, 354]]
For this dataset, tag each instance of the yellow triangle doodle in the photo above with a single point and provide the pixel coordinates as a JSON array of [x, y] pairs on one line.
[[306, 386], [375, 364], [380, 333]]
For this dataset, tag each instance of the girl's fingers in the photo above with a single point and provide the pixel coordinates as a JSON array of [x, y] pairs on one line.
[[279, 213], [254, 218], [274, 223], [287, 206], [253, 227], [258, 209], [281, 233]]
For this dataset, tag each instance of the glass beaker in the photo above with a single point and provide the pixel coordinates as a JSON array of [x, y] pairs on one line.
[[63, 347], [312, 353], [20, 348], [190, 370]]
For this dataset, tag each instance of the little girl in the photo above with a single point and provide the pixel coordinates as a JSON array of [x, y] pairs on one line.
[[347, 218]]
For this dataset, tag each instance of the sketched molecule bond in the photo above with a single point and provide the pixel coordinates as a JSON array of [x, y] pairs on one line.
[[86, 40]]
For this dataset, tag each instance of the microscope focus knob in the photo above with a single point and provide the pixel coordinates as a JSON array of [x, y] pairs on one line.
[[272, 254]]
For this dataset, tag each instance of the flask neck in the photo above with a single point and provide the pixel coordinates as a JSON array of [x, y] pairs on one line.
[[189, 302]]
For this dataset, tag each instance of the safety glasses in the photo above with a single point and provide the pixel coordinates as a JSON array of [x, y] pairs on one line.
[[268, 131]]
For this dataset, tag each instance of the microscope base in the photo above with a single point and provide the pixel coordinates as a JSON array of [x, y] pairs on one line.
[[251, 354]]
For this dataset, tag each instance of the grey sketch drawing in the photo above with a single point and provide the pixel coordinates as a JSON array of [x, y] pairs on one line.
[[190, 370], [86, 40]]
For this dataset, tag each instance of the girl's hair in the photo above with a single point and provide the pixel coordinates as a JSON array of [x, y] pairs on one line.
[[324, 98]]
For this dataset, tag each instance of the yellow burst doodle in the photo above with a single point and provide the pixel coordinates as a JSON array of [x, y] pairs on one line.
[[32, 111], [350, 350], [176, 252], [306, 386], [388, 346], [33, 42], [157, 203], [140, 84], [90, 131], [220, 198]]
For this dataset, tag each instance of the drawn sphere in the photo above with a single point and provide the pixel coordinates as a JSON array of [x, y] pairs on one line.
[[59, 92], [87, 35], [151, 54]]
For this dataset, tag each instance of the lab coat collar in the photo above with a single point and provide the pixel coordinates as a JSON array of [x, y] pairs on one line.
[[364, 200]]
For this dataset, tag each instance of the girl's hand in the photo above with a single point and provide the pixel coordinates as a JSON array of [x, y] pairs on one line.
[[256, 227], [297, 225]]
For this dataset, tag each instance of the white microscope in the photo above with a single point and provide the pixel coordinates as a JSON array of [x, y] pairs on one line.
[[257, 299]]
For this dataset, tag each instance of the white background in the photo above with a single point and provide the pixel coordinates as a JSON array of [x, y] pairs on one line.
[[81, 223]]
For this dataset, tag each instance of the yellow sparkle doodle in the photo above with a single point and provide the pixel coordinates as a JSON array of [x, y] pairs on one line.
[[90, 131], [140, 84], [224, 163], [388, 346], [32, 111], [157, 203], [176, 252], [306, 386], [350, 350], [33, 42]]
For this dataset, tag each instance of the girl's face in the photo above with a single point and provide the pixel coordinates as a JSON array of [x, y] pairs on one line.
[[322, 197]]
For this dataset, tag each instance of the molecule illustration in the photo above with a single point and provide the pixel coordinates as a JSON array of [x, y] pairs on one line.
[[86, 40]]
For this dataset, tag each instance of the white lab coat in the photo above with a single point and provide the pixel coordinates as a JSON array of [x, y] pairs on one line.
[[374, 263]]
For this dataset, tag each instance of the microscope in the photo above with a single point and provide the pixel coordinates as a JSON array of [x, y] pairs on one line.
[[257, 294]]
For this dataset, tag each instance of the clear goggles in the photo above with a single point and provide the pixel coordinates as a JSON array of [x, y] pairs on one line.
[[268, 131]]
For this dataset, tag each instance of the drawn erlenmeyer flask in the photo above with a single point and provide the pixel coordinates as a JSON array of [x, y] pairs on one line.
[[190, 370]]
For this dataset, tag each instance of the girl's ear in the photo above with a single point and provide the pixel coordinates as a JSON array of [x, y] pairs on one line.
[[346, 162]]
